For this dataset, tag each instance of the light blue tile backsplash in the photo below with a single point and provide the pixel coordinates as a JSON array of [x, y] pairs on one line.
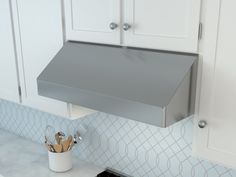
[[134, 148]]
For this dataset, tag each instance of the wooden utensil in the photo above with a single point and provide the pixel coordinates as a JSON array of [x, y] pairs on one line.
[[57, 148], [66, 143]]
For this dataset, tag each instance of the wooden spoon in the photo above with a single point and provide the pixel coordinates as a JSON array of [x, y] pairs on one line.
[[58, 148], [66, 143]]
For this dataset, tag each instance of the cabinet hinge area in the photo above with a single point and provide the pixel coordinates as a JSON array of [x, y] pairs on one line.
[[19, 90], [200, 31]]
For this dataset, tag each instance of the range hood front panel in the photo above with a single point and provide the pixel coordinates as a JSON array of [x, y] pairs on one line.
[[123, 108]]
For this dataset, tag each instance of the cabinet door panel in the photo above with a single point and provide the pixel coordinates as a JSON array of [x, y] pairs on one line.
[[8, 68], [218, 93], [162, 24], [89, 20], [41, 38], [224, 89]]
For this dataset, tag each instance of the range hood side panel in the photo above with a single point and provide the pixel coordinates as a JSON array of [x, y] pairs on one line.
[[193, 89], [179, 106]]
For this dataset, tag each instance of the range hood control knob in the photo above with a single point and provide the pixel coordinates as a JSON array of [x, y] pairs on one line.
[[202, 124]]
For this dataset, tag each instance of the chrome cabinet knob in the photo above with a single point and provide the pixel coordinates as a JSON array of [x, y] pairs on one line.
[[202, 124], [126, 27], [113, 26]]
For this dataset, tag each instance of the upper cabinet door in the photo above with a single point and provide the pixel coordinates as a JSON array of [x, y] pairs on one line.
[[216, 142], [41, 38], [162, 24], [8, 68], [93, 20]]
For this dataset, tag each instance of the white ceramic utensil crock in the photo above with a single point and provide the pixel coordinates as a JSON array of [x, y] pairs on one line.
[[60, 162]]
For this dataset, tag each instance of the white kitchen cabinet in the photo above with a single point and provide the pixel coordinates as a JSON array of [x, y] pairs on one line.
[[90, 20], [38, 37], [216, 142], [8, 66], [41, 38], [162, 24], [158, 24]]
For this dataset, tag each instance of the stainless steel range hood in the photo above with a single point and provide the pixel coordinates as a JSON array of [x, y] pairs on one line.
[[149, 86]]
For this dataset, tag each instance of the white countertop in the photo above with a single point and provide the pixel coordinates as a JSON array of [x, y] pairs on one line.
[[23, 158]]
